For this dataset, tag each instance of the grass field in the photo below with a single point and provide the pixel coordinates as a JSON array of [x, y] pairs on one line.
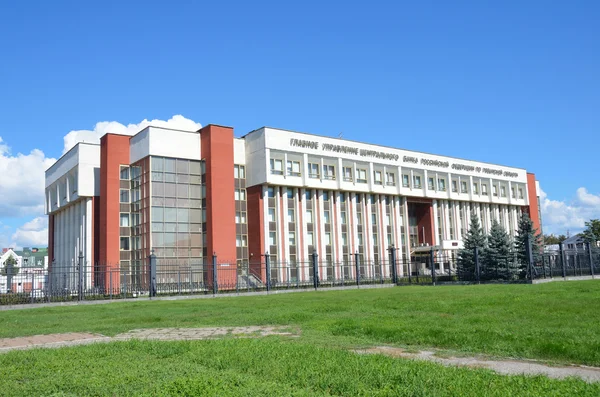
[[555, 322]]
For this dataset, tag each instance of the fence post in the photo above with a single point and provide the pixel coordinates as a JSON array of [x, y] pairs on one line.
[[110, 287], [215, 279], [431, 259], [477, 271], [80, 277], [152, 273], [529, 256], [268, 270], [315, 264], [32, 289], [50, 276], [393, 260], [357, 265], [591, 256], [544, 267], [562, 259]]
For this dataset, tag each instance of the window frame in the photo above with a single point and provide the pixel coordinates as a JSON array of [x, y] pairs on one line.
[[312, 167], [273, 163], [291, 166], [359, 173]]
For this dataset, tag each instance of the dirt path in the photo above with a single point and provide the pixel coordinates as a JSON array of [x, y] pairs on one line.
[[74, 339], [507, 367]]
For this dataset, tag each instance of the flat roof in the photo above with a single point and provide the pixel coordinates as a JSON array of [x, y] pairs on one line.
[[69, 151]]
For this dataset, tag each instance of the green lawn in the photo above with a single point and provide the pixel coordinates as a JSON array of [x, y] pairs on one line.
[[555, 321], [252, 367]]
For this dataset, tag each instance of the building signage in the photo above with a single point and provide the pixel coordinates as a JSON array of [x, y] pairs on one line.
[[329, 147]]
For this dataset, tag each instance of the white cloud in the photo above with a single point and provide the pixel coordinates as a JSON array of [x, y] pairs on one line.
[[32, 234], [177, 122], [558, 217], [22, 182]]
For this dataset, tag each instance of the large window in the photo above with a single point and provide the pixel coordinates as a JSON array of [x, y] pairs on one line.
[[441, 184], [240, 217], [271, 214], [454, 186], [239, 171], [484, 190], [417, 181], [430, 183], [463, 187], [390, 179], [240, 194], [124, 173], [377, 177], [328, 172], [276, 166], [361, 175], [293, 168], [124, 196], [309, 216], [124, 246], [313, 170], [347, 174], [405, 180], [124, 220]]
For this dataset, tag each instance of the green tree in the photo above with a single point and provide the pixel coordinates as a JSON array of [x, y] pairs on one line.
[[591, 234], [525, 229], [466, 256], [10, 263], [551, 239], [497, 258]]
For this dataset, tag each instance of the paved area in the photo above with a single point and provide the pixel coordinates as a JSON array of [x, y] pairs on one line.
[[508, 367], [78, 338]]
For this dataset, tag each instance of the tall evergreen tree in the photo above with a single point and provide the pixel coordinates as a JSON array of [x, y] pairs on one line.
[[591, 234], [466, 256], [525, 228], [497, 258]]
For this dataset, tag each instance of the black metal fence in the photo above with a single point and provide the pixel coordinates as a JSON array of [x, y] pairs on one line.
[[80, 281]]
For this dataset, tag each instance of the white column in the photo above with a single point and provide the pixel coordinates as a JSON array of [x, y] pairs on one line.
[[337, 248], [368, 229], [265, 197], [446, 218], [352, 218], [285, 226], [436, 223]]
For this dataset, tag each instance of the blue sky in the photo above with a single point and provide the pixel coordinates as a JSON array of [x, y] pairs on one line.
[[514, 83]]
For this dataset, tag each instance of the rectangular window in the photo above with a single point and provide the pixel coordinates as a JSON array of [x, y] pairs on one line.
[[417, 181], [239, 171], [293, 168], [271, 214], [373, 219], [390, 179], [240, 194], [343, 217], [124, 173], [272, 238], [463, 187], [325, 196], [292, 238], [512, 192], [503, 191], [329, 172], [124, 196], [430, 183], [344, 239], [377, 177], [276, 166], [313, 170], [484, 189], [347, 174], [290, 193], [241, 240], [475, 188], [240, 217], [271, 192], [361, 175], [328, 238], [309, 216], [360, 239], [495, 190], [520, 193], [441, 184], [405, 180], [326, 216], [124, 220], [291, 216], [454, 186], [309, 238], [124, 244]]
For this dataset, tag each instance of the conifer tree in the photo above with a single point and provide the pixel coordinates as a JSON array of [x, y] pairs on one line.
[[497, 258], [466, 256], [525, 228]]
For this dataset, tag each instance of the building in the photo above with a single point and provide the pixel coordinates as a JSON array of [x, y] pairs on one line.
[[188, 195], [29, 270]]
